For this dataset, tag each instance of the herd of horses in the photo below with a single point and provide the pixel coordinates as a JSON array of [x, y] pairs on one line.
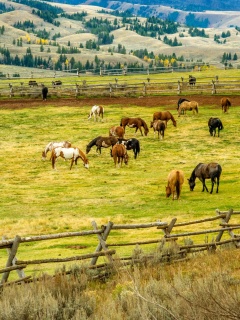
[[119, 145]]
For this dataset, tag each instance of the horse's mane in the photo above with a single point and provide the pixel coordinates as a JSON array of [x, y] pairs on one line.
[[93, 142], [143, 123], [125, 120]]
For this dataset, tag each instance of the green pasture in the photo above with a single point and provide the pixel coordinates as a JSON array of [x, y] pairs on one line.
[[37, 200]]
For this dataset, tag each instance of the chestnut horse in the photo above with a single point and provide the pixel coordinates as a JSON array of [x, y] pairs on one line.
[[204, 171], [116, 131], [101, 142], [96, 112], [188, 105], [51, 145], [119, 153], [165, 116], [158, 126], [135, 123], [175, 182], [225, 103], [72, 154]]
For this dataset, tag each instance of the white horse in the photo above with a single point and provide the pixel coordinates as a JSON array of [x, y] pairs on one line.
[[96, 112], [51, 145], [72, 154]]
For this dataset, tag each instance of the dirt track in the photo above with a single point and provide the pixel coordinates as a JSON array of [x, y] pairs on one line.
[[168, 102]]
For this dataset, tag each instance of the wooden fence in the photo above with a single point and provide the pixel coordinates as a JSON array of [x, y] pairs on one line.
[[110, 240], [118, 87]]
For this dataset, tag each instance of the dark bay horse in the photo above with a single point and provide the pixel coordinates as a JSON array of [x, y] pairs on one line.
[[72, 154], [214, 124], [116, 131], [165, 116], [175, 182], [225, 103], [136, 123], [159, 127], [119, 154], [204, 171], [132, 144], [101, 142]]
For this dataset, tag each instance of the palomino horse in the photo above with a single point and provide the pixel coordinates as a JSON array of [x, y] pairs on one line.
[[213, 124], [175, 182], [101, 142], [135, 123], [96, 112], [116, 131], [132, 144], [188, 105], [158, 126], [165, 116], [119, 154], [51, 145], [204, 171], [72, 154], [225, 103]]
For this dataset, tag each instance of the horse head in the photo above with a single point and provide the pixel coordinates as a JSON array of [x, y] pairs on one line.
[[191, 183], [168, 191], [125, 157]]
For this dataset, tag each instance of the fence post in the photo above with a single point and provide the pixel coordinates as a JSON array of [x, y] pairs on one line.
[[224, 220], [12, 259], [214, 91], [179, 87], [102, 239]]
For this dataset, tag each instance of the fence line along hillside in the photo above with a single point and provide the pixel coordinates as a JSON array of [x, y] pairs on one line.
[[116, 87], [169, 240]]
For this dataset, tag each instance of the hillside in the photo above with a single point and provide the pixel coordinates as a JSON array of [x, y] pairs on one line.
[[74, 33]]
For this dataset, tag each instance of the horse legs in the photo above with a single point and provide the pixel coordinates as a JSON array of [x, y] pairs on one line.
[[72, 163], [204, 185]]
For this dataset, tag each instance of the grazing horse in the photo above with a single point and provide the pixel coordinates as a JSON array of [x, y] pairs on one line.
[[225, 103], [44, 92], [158, 126], [180, 101], [116, 131], [192, 80], [213, 124], [119, 153], [175, 182], [101, 142], [132, 144], [51, 145], [96, 112], [188, 105], [72, 154], [204, 171], [165, 116], [135, 123]]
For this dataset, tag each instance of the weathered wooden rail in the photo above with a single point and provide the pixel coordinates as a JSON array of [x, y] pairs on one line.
[[120, 87], [164, 235]]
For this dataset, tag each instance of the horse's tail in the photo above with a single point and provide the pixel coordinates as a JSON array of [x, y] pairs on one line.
[[221, 125], [53, 158], [197, 107], [137, 148], [228, 103], [178, 185]]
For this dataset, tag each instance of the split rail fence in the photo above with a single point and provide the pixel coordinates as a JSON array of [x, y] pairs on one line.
[[162, 237], [120, 87]]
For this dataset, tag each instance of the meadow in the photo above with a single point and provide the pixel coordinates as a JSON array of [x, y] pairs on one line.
[[38, 200]]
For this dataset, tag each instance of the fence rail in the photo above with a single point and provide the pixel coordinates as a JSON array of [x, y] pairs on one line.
[[165, 234]]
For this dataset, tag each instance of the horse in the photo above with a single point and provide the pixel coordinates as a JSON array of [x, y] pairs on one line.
[[132, 144], [51, 145], [44, 92], [96, 112], [101, 142], [165, 116], [175, 182], [204, 171], [71, 153], [188, 105], [158, 126], [119, 154], [192, 80], [56, 83], [213, 124], [225, 103], [180, 101], [117, 131], [135, 123]]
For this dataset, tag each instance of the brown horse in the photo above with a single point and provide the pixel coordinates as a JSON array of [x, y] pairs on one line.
[[158, 126], [188, 105], [135, 123], [101, 142], [165, 116], [175, 182], [225, 103], [119, 153], [116, 131]]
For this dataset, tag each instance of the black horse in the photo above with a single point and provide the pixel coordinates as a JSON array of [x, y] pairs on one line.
[[44, 92], [204, 171], [132, 144], [192, 80], [214, 124]]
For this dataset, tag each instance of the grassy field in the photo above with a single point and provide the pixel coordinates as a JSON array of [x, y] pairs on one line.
[[38, 200]]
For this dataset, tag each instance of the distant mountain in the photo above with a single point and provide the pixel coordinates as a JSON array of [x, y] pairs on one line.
[[186, 5]]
